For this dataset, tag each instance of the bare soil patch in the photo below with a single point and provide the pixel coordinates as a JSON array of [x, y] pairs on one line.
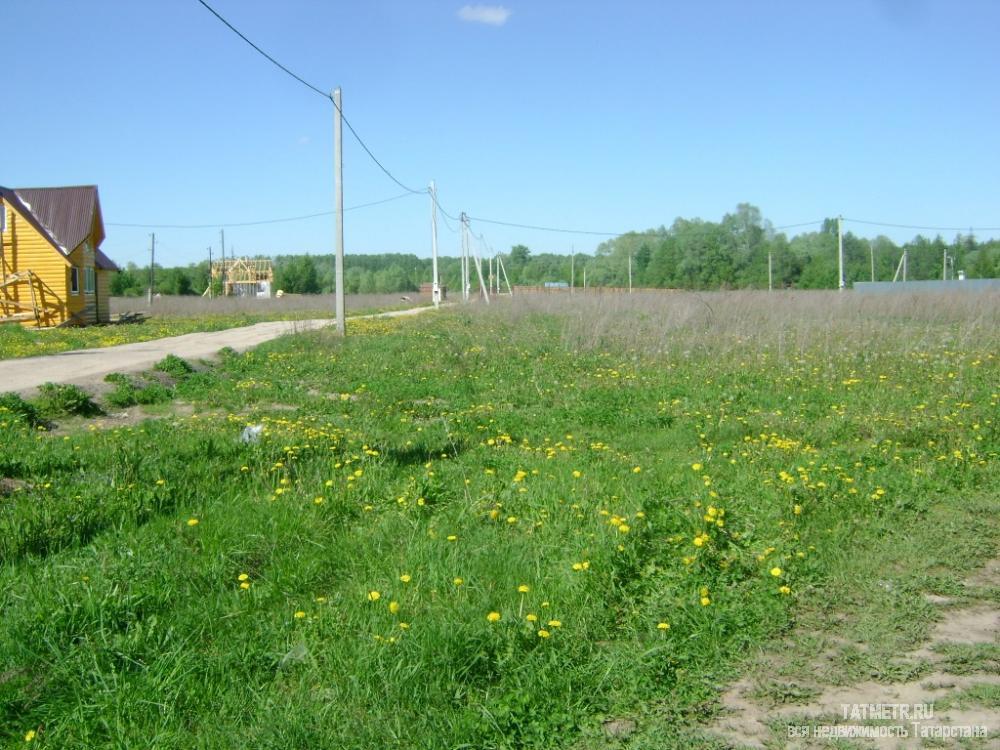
[[957, 666]]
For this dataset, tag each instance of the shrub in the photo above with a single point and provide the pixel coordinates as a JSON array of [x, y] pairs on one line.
[[58, 398], [123, 394], [128, 393], [174, 366], [13, 406], [154, 393]]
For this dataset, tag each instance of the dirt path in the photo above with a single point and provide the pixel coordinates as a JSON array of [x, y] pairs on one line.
[[87, 366], [960, 686]]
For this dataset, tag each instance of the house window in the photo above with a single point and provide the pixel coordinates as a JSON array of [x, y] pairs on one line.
[[3, 218], [74, 280], [88, 280]]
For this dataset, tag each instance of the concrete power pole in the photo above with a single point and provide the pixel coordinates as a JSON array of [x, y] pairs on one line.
[[465, 258], [338, 206], [152, 266], [211, 293], [871, 254], [222, 236], [944, 266], [435, 283], [840, 252]]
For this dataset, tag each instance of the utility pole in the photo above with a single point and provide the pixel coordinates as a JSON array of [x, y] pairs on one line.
[[482, 282], [435, 285], [840, 252], [572, 270], [465, 257], [211, 292], [152, 266], [340, 309], [222, 237], [510, 289], [770, 281], [585, 278], [871, 253], [944, 266]]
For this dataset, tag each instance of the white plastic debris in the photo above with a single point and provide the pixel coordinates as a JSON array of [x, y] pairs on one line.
[[252, 433]]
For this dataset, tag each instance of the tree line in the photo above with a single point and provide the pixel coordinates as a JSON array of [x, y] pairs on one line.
[[690, 254]]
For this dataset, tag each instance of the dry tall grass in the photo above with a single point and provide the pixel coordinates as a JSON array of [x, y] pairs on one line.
[[785, 321], [319, 305]]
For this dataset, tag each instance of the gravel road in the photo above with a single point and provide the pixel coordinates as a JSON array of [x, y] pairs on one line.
[[87, 366]]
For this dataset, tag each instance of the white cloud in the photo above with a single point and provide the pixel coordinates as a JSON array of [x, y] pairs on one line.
[[493, 15]]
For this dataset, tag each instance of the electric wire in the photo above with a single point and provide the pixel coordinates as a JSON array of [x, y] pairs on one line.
[[256, 223], [916, 226], [325, 95]]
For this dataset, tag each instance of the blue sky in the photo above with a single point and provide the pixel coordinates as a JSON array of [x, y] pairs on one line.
[[592, 115]]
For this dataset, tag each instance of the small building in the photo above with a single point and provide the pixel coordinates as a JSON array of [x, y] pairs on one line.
[[242, 277], [52, 270]]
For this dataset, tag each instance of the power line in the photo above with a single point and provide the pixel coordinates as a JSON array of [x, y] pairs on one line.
[[319, 91], [651, 233], [238, 33], [916, 226], [255, 223]]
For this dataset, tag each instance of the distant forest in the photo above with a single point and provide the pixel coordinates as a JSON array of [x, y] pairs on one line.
[[690, 254]]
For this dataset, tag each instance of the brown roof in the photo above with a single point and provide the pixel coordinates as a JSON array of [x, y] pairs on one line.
[[63, 215]]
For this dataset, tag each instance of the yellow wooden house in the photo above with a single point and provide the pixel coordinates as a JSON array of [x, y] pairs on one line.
[[52, 270]]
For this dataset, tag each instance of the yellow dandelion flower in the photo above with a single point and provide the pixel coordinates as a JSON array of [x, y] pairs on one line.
[[663, 626], [374, 596], [318, 500], [577, 474], [637, 470], [524, 588], [797, 510], [245, 585], [696, 467], [452, 537], [776, 572], [406, 578], [705, 601], [698, 541], [242, 577], [458, 581], [493, 617], [299, 615], [530, 617], [192, 522], [394, 607], [623, 528], [784, 590], [29, 735], [555, 624], [404, 626], [544, 634]]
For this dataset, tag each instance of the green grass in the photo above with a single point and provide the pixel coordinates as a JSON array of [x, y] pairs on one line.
[[501, 449]]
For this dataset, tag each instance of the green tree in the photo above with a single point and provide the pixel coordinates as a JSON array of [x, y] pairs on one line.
[[297, 275]]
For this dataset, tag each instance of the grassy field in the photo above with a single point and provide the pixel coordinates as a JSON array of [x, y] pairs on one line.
[[173, 316], [564, 523]]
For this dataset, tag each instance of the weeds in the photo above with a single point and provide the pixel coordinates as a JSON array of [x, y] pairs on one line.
[[501, 529]]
